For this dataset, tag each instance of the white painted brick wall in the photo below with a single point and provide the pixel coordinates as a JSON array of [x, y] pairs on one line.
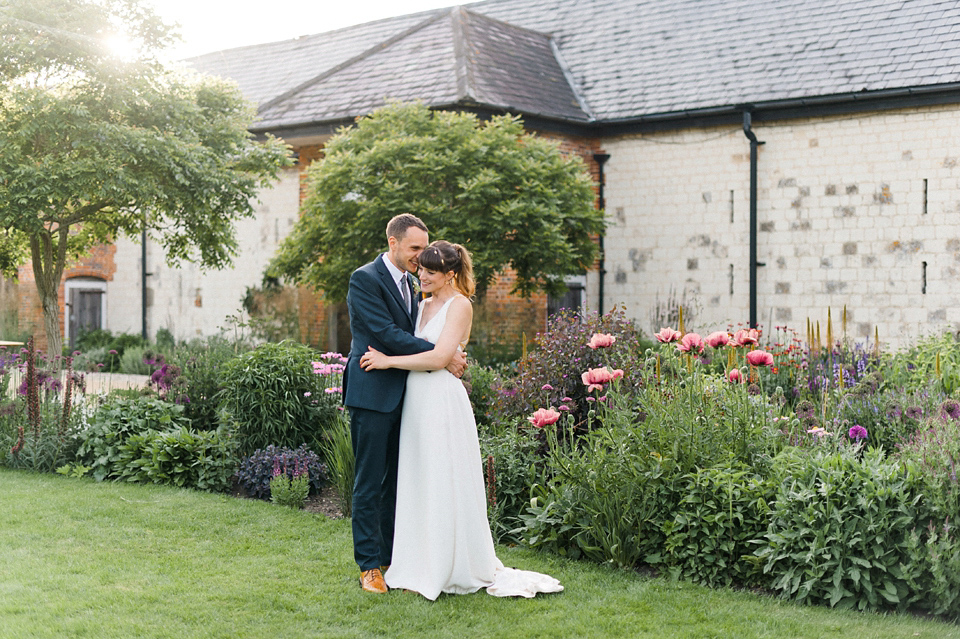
[[824, 184]]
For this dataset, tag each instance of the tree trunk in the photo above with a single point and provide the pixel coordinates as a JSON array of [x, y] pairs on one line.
[[48, 263]]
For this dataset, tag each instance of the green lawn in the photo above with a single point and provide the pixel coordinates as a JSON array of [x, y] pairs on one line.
[[82, 559]]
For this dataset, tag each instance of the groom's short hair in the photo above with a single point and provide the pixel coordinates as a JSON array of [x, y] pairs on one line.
[[398, 225]]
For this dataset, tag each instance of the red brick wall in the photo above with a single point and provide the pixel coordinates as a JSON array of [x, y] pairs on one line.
[[99, 263]]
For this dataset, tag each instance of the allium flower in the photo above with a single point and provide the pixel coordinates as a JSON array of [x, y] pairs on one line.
[[563, 407], [718, 339], [746, 337], [759, 358], [566, 400], [595, 378], [857, 432], [667, 335], [546, 387], [544, 417], [951, 408], [690, 342], [113, 352], [601, 340], [735, 376], [914, 412]]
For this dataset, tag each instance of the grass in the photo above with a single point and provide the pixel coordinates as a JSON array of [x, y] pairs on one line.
[[104, 560]]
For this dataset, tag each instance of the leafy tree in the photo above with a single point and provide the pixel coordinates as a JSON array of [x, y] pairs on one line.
[[93, 146], [513, 199]]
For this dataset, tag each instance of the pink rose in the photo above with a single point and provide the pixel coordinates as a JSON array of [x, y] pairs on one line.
[[746, 337], [595, 378], [601, 340], [667, 335], [718, 339], [690, 342], [544, 417], [759, 358]]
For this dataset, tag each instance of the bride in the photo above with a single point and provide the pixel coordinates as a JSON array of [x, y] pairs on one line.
[[442, 540]]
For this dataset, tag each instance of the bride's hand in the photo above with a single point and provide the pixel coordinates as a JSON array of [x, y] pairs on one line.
[[373, 360]]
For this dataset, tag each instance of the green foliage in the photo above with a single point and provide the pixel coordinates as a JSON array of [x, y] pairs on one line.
[[481, 383], [272, 396], [289, 491], [134, 360], [513, 199], [337, 449], [721, 512], [201, 363], [839, 525], [103, 442], [88, 144], [203, 460], [516, 467], [256, 471]]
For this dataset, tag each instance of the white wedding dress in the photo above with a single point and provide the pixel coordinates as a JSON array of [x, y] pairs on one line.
[[442, 540]]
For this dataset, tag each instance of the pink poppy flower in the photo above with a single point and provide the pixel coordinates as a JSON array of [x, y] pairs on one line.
[[760, 358], [667, 335], [718, 339], [746, 337], [544, 417], [735, 376], [595, 378], [690, 342], [601, 340]]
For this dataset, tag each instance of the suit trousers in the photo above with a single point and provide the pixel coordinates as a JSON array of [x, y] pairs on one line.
[[376, 440]]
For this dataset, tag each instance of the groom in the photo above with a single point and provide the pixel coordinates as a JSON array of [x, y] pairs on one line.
[[383, 313]]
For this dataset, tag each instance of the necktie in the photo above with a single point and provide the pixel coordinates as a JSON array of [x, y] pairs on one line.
[[405, 291]]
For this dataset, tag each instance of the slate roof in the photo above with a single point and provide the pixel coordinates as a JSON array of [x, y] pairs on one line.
[[622, 60]]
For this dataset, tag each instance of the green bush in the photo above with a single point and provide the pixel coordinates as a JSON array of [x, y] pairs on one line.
[[102, 443], [516, 467], [481, 383], [133, 361], [202, 365], [839, 526], [203, 460], [103, 347], [722, 511], [271, 395]]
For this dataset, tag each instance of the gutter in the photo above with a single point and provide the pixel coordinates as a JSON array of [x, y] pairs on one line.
[[754, 145], [600, 159]]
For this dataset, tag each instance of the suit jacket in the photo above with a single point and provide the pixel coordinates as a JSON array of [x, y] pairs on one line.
[[378, 318]]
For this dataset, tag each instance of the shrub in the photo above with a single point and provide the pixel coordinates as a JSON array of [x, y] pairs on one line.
[[838, 528], [100, 346], [721, 512], [516, 467], [552, 369], [102, 443], [256, 471], [203, 460], [271, 395], [289, 491], [134, 360], [481, 383], [201, 366]]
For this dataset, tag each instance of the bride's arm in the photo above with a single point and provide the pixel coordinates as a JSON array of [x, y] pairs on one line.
[[459, 319]]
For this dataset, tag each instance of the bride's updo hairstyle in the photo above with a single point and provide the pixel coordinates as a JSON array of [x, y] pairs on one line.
[[442, 256]]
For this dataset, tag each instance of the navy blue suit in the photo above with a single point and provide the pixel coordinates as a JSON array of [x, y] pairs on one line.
[[378, 318]]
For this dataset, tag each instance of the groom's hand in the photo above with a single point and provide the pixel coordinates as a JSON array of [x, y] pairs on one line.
[[458, 364]]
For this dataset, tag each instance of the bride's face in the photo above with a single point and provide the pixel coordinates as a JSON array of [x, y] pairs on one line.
[[433, 281]]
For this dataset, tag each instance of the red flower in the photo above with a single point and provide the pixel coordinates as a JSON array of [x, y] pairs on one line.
[[718, 339], [746, 337], [690, 342], [667, 335], [760, 358], [544, 417], [595, 378], [601, 340]]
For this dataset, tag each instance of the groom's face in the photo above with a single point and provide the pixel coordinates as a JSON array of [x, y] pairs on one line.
[[404, 252]]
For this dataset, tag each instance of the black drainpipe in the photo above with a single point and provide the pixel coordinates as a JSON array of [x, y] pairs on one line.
[[143, 280], [600, 159], [754, 143]]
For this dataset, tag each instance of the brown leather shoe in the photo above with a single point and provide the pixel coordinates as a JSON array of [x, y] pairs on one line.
[[372, 581]]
